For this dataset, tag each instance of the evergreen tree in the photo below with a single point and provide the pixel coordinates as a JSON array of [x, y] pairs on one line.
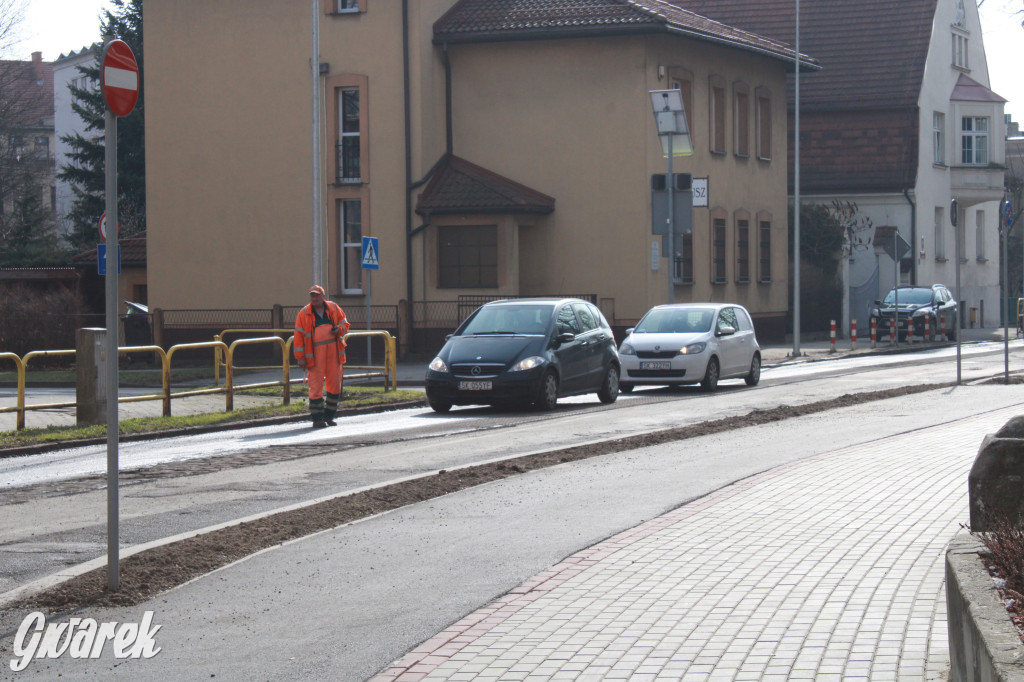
[[86, 172]]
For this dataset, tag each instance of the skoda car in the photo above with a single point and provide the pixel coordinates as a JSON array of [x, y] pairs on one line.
[[526, 352], [689, 343], [935, 304]]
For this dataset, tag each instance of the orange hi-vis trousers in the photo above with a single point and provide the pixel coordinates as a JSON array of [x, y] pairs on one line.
[[326, 371]]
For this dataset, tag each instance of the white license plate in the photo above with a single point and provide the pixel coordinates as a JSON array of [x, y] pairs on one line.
[[656, 365], [474, 385]]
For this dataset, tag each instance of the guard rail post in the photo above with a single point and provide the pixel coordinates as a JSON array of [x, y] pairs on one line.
[[19, 409]]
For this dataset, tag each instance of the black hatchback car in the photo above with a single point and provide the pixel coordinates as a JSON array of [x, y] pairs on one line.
[[934, 303], [526, 352]]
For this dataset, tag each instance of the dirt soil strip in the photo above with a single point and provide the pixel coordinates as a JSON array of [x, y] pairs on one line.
[[157, 570]]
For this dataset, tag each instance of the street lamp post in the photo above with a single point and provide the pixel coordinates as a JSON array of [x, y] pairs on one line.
[[670, 118]]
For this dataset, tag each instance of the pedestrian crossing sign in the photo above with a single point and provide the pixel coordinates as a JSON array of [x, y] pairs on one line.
[[370, 254]]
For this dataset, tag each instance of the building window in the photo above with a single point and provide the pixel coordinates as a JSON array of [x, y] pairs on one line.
[[717, 114], [939, 137], [718, 250], [960, 44], [974, 141], [764, 124], [940, 237], [764, 229], [347, 6], [979, 235], [468, 256], [741, 118], [684, 262], [350, 216], [682, 80], [42, 147], [743, 251], [349, 137]]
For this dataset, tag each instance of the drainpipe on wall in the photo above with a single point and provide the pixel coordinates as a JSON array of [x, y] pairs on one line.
[[408, 164], [913, 238]]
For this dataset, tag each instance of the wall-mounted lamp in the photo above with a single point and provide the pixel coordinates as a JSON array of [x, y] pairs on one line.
[[661, 72]]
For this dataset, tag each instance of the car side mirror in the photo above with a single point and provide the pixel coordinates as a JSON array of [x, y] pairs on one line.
[[630, 331], [877, 302], [565, 337], [726, 331], [447, 336]]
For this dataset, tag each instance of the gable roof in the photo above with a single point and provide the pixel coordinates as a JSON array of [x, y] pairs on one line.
[[500, 20], [133, 252], [458, 186], [872, 52]]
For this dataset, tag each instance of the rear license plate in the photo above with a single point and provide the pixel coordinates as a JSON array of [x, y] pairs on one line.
[[474, 385], [656, 365]]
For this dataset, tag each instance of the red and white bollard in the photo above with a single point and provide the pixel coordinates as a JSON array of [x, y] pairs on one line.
[[853, 334], [874, 332], [892, 331], [927, 328], [832, 337], [910, 331], [942, 328]]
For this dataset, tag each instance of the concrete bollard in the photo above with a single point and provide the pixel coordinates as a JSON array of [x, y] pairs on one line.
[[90, 376]]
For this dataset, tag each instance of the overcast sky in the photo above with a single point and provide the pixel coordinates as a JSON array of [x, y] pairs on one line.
[[57, 27]]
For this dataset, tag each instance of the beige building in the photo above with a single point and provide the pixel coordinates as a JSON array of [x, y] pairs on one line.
[[493, 151]]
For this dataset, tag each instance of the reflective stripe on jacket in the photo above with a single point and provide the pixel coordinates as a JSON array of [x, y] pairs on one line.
[[302, 346]]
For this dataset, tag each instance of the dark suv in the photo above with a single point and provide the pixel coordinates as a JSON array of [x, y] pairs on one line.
[[918, 304], [526, 351]]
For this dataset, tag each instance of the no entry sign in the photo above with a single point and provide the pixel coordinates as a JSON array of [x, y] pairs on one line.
[[120, 77]]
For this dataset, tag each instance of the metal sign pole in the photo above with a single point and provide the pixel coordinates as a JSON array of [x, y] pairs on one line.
[[113, 533], [671, 225], [369, 322], [954, 217]]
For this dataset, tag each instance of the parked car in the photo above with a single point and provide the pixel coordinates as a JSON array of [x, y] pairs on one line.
[[687, 343], [527, 352], [935, 303]]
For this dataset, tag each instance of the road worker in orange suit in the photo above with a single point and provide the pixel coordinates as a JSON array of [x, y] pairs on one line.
[[320, 350]]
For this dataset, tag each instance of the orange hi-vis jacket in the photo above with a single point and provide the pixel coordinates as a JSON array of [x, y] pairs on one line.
[[302, 346]]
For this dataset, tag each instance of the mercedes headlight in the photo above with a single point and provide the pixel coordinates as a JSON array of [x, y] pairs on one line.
[[528, 363], [437, 365]]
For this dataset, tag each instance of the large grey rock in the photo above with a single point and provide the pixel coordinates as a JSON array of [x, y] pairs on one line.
[[996, 481]]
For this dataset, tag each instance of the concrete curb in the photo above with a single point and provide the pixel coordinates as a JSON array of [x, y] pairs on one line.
[[983, 641]]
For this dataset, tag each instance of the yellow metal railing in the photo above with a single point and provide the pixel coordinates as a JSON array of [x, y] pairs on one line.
[[223, 356], [388, 371]]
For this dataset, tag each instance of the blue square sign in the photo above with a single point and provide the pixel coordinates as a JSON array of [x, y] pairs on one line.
[[371, 254], [101, 258]]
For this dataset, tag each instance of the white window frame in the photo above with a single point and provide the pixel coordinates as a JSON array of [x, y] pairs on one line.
[[939, 137], [979, 236], [975, 149], [347, 247]]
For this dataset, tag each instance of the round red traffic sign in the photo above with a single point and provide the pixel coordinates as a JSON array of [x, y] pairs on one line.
[[119, 77], [103, 227]]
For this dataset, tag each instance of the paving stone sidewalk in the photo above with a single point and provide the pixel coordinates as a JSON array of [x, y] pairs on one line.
[[826, 569]]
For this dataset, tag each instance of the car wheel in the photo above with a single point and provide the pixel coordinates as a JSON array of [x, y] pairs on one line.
[[625, 388], [754, 375], [610, 388], [548, 396], [439, 407], [710, 381]]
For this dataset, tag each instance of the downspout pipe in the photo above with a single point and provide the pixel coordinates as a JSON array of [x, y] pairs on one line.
[[408, 160], [913, 238], [447, 100]]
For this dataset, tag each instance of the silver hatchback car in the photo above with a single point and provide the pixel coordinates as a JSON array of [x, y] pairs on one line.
[[687, 343]]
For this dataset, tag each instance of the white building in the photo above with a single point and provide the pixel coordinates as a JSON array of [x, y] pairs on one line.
[[67, 122]]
